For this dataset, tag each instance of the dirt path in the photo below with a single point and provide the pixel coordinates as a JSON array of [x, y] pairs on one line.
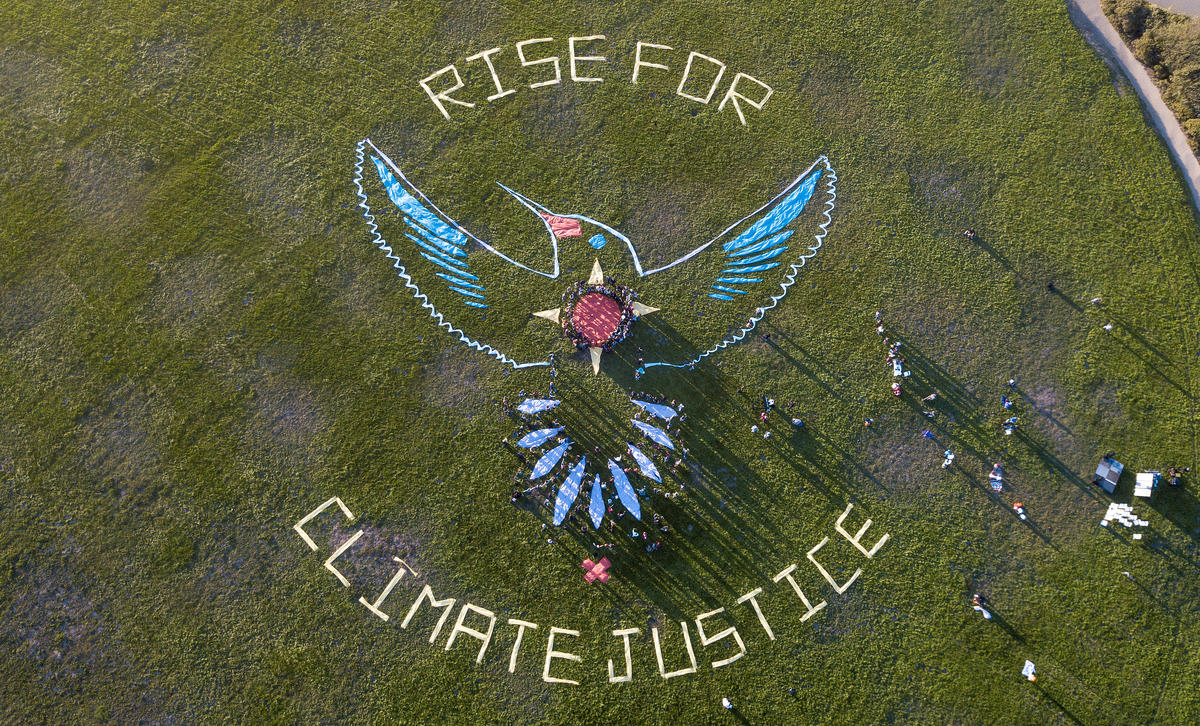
[[1184, 7], [1086, 14]]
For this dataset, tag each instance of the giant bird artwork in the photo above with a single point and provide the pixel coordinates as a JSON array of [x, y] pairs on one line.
[[735, 278]]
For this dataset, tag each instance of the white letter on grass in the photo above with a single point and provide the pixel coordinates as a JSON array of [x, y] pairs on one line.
[[624, 635], [427, 592], [856, 539], [299, 526], [687, 640], [752, 596], [338, 553], [521, 625], [839, 589], [374, 607], [638, 63], [688, 69], [787, 574], [550, 59], [732, 93], [444, 95], [487, 58], [551, 653], [731, 630], [590, 58], [485, 638]]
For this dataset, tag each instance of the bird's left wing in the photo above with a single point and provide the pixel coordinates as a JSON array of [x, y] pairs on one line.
[[749, 267]]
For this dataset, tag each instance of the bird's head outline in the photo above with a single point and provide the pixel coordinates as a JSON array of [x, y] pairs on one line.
[[560, 226]]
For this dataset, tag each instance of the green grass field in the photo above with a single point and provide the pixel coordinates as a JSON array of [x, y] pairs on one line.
[[199, 346]]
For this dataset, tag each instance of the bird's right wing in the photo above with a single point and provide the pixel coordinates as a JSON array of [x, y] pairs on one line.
[[746, 270]]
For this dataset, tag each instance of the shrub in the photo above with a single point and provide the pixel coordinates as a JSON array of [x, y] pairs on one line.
[[1129, 16], [1169, 46]]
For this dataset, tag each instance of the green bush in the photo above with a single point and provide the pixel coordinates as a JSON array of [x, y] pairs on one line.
[[1129, 16], [1169, 46], [1192, 128]]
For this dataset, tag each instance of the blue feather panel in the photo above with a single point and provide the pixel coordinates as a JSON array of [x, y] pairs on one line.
[[751, 268], [436, 241], [763, 241], [759, 246]]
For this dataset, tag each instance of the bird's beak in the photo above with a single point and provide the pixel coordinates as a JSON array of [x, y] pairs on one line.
[[527, 202]]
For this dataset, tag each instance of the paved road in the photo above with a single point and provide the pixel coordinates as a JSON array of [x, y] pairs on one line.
[[1187, 7], [1087, 15]]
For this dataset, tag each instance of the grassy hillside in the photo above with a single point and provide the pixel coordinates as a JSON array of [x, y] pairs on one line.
[[199, 346]]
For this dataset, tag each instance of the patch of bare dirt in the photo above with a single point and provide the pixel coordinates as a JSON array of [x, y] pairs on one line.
[[270, 171], [34, 84], [189, 291], [103, 178], [465, 23], [358, 283], [903, 460], [56, 623], [116, 444], [289, 418], [164, 63], [451, 381], [27, 303]]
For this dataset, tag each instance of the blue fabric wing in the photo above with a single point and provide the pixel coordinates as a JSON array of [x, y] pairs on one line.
[[625, 489], [654, 433], [443, 264], [762, 245], [569, 492], [433, 239], [749, 267], [596, 507]]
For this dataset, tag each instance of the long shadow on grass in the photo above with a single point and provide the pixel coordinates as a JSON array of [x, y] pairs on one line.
[[722, 522], [1180, 507], [1046, 695]]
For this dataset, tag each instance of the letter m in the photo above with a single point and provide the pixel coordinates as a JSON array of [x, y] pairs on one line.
[[427, 594]]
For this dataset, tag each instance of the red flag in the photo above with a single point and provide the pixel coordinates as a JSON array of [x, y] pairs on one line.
[[563, 226]]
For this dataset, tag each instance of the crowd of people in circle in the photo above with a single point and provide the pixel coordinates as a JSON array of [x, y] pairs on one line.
[[623, 296]]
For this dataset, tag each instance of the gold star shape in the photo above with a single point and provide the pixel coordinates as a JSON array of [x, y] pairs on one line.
[[554, 315]]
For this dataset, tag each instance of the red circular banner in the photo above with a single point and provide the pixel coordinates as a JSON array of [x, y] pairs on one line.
[[596, 317]]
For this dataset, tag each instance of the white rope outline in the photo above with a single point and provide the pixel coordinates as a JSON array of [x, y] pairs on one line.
[[378, 240], [789, 279]]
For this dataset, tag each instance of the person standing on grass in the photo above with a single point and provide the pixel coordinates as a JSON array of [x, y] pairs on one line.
[[977, 604]]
